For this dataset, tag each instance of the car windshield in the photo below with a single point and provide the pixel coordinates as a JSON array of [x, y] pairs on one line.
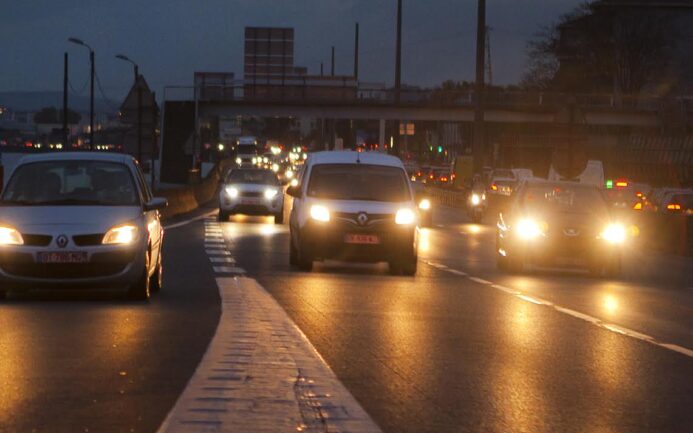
[[60, 183], [358, 182], [564, 199], [503, 174], [264, 177], [247, 149]]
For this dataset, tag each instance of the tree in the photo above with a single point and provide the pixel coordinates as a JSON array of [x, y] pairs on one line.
[[601, 49], [53, 115]]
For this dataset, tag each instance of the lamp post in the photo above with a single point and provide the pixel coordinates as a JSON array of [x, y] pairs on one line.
[[139, 105], [127, 59], [91, 91]]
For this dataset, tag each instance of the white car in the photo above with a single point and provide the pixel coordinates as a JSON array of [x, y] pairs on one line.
[[357, 207], [80, 219], [252, 191], [503, 182]]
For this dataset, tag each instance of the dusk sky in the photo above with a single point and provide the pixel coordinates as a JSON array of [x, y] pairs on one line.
[[171, 39]]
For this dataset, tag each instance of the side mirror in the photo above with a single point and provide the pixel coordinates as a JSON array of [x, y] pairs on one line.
[[294, 191], [157, 203]]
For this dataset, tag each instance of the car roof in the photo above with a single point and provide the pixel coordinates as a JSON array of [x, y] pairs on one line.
[[79, 156], [350, 157]]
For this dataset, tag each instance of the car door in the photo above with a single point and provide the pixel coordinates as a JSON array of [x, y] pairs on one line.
[[152, 217]]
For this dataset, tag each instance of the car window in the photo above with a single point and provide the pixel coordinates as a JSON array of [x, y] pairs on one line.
[[562, 198], [145, 192], [263, 177], [95, 183], [358, 182]]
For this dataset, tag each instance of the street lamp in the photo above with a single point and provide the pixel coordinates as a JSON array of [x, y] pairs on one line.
[[91, 91], [127, 59], [139, 105]]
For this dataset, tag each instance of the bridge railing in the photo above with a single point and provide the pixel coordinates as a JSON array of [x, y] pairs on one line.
[[345, 90]]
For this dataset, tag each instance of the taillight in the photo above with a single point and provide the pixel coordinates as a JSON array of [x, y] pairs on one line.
[[621, 184], [494, 187], [637, 206], [673, 206]]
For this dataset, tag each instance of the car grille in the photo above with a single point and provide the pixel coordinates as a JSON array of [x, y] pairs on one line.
[[37, 240], [250, 194], [374, 220], [88, 240]]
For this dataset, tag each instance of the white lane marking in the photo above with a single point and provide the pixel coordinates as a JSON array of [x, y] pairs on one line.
[[188, 221], [228, 270], [217, 252], [261, 374], [480, 280], [222, 260], [214, 240], [582, 316], [456, 272]]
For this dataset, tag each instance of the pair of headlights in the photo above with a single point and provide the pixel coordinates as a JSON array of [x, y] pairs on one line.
[[404, 216], [531, 229], [269, 193], [119, 235]]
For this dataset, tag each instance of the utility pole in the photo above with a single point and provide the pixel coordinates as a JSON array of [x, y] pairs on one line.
[[398, 74], [65, 127], [478, 150], [489, 67], [356, 53], [91, 103], [322, 69], [333, 60], [139, 121]]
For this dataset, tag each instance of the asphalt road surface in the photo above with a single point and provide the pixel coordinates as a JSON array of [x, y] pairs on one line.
[[550, 350]]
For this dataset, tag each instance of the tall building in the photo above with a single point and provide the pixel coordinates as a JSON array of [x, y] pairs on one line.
[[269, 56]]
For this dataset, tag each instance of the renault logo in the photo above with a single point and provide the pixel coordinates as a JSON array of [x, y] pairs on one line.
[[362, 219], [571, 232], [61, 241]]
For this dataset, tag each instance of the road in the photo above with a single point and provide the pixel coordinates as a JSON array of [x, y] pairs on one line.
[[546, 351]]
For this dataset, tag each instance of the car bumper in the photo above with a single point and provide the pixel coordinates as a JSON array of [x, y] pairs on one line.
[[552, 252], [107, 267], [257, 206], [328, 241]]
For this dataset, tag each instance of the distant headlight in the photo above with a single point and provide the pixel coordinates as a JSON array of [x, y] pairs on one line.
[[529, 229], [125, 234], [476, 199], [270, 193], [425, 204], [239, 161], [10, 236], [405, 216], [231, 191], [254, 160], [289, 174], [319, 213], [293, 182], [614, 234]]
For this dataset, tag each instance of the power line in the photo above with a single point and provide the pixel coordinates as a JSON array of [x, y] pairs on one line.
[[107, 100]]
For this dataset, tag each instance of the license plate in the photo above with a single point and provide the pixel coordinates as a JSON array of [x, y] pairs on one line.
[[250, 201], [361, 239], [62, 257]]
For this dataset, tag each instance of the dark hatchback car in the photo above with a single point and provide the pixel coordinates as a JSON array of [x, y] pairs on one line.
[[559, 224]]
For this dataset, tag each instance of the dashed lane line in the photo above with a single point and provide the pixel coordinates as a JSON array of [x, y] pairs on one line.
[[228, 270], [576, 314], [222, 260], [217, 252]]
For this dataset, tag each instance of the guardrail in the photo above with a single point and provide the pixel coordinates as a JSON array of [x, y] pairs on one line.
[[190, 197]]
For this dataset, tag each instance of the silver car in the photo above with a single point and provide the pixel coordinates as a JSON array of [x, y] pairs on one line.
[[252, 191], [80, 219]]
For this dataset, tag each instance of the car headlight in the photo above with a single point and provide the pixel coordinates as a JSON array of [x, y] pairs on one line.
[[254, 160], [294, 182], [529, 229], [476, 199], [319, 213], [270, 193], [231, 191], [289, 174], [614, 234], [239, 161], [121, 235], [425, 204], [10, 236], [405, 216]]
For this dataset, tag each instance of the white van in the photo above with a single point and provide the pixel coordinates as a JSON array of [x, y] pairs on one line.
[[354, 206]]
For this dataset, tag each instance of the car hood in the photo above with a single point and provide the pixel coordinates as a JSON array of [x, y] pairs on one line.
[[83, 219], [252, 187]]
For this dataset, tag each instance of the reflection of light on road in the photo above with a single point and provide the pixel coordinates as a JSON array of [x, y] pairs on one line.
[[268, 229], [610, 304], [474, 229], [424, 240], [14, 361]]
